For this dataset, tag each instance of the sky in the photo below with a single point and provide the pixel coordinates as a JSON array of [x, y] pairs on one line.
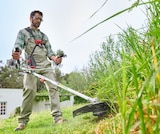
[[64, 20]]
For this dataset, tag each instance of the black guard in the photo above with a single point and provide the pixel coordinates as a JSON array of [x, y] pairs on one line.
[[98, 109]]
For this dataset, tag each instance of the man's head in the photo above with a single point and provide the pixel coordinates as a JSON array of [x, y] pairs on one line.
[[36, 18]]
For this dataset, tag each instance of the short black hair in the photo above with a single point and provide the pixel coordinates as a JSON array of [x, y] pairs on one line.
[[36, 11]]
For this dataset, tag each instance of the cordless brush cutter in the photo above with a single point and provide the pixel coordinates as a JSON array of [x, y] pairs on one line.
[[98, 108]]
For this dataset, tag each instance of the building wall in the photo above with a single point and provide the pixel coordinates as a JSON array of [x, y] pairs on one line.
[[45, 105], [12, 98]]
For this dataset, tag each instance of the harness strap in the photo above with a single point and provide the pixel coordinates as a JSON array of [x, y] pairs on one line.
[[30, 31], [37, 42], [31, 60]]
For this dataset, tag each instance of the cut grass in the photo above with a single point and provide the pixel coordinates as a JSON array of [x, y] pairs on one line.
[[42, 123]]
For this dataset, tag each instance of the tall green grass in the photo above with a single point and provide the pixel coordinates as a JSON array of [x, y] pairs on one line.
[[133, 77]]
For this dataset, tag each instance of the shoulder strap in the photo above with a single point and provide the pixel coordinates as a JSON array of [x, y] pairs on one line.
[[31, 60], [30, 31], [42, 35]]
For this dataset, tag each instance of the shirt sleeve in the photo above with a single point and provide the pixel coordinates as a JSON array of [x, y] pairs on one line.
[[48, 47], [20, 41]]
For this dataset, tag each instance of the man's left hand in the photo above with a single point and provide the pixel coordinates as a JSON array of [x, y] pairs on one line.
[[56, 59]]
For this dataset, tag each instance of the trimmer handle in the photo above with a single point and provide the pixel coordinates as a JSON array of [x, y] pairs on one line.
[[16, 49]]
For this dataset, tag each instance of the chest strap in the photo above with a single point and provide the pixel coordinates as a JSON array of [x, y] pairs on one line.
[[30, 60]]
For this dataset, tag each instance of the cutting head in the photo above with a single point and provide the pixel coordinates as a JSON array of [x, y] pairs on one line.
[[99, 109]]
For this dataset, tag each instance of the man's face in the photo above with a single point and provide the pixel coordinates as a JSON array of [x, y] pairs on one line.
[[36, 20]]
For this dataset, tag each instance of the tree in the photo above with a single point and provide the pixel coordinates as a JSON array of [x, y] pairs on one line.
[[11, 78], [76, 81]]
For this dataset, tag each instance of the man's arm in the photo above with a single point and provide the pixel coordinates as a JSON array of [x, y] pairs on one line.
[[19, 43], [51, 55]]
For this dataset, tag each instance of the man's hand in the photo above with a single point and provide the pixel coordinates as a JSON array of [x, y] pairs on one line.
[[16, 55], [56, 59]]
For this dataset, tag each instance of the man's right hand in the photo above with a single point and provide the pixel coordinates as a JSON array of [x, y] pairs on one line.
[[16, 55]]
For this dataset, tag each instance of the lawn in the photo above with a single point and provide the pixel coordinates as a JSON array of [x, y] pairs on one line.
[[42, 123]]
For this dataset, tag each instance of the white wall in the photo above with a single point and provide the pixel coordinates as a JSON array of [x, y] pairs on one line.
[[45, 105], [13, 97]]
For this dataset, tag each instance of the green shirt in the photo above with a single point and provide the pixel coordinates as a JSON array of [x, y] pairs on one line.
[[24, 37], [25, 41]]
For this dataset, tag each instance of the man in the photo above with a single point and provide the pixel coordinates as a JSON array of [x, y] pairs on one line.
[[36, 46]]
